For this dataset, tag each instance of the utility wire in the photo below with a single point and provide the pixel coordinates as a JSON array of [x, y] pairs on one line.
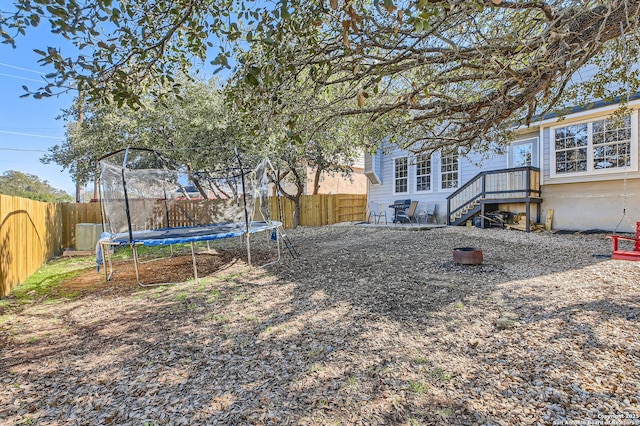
[[32, 135], [21, 69], [21, 162], [21, 78], [22, 150], [28, 128]]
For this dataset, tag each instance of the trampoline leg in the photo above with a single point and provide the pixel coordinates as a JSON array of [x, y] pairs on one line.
[[248, 250], [278, 247], [106, 261], [136, 264], [195, 265], [134, 251]]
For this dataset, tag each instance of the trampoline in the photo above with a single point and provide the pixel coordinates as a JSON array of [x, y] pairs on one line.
[[144, 203], [163, 237]]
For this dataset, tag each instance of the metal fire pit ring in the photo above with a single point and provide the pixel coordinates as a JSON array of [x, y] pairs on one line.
[[467, 256]]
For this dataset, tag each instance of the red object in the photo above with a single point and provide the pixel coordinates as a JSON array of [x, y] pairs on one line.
[[626, 254], [467, 256]]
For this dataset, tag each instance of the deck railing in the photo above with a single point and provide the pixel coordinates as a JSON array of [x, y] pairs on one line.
[[507, 185]]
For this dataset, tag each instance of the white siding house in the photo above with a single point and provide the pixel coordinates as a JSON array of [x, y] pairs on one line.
[[593, 183], [588, 172]]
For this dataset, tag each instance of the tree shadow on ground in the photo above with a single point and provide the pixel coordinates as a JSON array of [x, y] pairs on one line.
[[350, 333]]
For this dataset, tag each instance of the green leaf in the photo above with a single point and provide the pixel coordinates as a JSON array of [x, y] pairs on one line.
[[251, 79], [222, 60], [56, 11]]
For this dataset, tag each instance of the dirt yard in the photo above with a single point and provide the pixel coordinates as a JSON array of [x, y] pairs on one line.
[[369, 326]]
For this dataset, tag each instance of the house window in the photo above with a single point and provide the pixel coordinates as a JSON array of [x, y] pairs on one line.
[[611, 143], [401, 175], [522, 154], [571, 144], [423, 173], [449, 170], [592, 146]]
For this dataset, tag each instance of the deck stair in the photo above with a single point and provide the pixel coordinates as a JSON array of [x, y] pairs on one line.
[[489, 189]]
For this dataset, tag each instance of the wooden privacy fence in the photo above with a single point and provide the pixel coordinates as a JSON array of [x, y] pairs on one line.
[[315, 210], [32, 232], [321, 209], [73, 214]]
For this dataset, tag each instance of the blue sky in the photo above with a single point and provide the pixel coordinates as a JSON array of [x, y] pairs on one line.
[[28, 127]]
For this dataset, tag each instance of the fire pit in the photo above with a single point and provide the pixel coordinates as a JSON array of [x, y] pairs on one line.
[[467, 256]]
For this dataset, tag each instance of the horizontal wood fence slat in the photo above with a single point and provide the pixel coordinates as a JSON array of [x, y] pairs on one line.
[[32, 232]]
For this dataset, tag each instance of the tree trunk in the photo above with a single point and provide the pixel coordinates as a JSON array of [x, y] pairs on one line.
[[296, 213], [293, 197], [316, 181]]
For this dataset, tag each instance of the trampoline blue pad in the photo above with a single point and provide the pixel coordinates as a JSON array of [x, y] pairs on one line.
[[191, 234]]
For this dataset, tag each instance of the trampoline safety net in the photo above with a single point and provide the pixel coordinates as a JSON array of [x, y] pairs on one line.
[[143, 194]]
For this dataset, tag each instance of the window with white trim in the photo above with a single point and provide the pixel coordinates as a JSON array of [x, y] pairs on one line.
[[401, 175], [522, 154], [611, 143], [595, 145], [571, 145], [423, 172], [449, 171]]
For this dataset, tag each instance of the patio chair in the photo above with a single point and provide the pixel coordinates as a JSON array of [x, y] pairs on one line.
[[431, 214], [376, 213], [408, 216]]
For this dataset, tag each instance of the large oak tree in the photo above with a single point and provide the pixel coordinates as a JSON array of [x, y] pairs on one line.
[[447, 72], [195, 129]]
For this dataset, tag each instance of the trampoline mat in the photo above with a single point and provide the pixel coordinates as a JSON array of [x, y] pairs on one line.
[[167, 236]]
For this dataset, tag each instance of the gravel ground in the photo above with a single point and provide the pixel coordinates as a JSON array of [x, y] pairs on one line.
[[369, 326]]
